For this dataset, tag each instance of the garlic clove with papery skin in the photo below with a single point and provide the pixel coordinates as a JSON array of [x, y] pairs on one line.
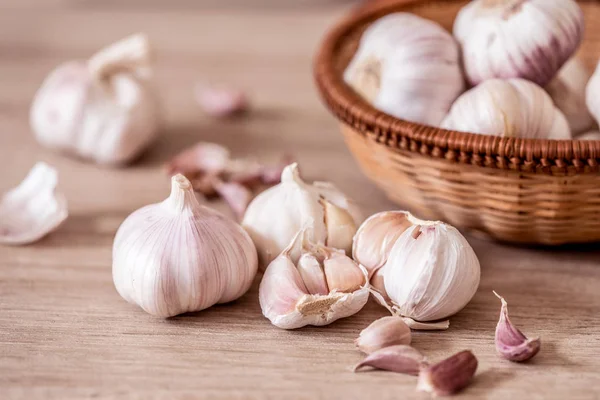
[[33, 209], [495, 44], [384, 332], [408, 67], [290, 293], [105, 110], [179, 256], [511, 108], [402, 359]]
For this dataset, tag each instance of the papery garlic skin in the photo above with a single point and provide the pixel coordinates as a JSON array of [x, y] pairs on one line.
[[178, 256], [408, 67], [33, 209], [275, 216], [568, 91], [105, 110], [511, 108], [431, 273], [593, 94], [530, 39]]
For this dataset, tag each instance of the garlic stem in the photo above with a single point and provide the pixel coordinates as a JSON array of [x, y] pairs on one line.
[[182, 196]]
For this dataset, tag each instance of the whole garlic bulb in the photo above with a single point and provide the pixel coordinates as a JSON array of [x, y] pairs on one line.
[[105, 109], [593, 94], [529, 39], [408, 67], [275, 216], [310, 284], [179, 256], [568, 93], [511, 108]]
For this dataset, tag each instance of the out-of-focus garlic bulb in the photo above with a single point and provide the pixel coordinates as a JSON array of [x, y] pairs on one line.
[[591, 135], [310, 284], [568, 93], [105, 109], [179, 256], [408, 67], [511, 108], [593, 94], [529, 39], [275, 216]]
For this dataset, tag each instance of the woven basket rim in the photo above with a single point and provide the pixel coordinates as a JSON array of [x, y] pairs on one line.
[[464, 147]]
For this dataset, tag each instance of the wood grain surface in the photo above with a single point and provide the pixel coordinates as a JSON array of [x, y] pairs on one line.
[[66, 334]]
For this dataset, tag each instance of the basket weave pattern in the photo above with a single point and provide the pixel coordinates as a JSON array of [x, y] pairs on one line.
[[515, 190]]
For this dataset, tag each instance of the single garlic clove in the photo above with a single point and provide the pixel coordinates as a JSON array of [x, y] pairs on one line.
[[203, 158], [378, 285], [33, 209], [510, 342], [342, 273], [509, 108], [312, 274], [591, 135], [340, 227], [132, 53], [385, 332], [221, 102], [399, 358], [237, 196], [376, 237], [493, 46], [448, 376]]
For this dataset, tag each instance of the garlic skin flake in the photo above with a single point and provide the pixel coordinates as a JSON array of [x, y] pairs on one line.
[[104, 110], [384, 332], [275, 216], [179, 256], [290, 294], [511, 108], [408, 67], [495, 44], [33, 209]]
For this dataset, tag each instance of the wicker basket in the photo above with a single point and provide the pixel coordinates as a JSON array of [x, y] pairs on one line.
[[515, 190]]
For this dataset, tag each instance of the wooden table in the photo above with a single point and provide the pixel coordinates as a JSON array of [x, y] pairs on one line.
[[66, 334]]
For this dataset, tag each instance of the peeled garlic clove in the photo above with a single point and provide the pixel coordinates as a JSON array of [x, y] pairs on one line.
[[237, 196], [179, 256], [592, 94], [277, 214], [221, 102], [408, 67], [312, 274], [105, 110], [376, 237], [342, 273], [203, 157], [431, 273], [385, 332], [568, 93], [592, 135], [33, 209], [495, 45], [399, 358], [448, 376], [510, 342], [511, 108]]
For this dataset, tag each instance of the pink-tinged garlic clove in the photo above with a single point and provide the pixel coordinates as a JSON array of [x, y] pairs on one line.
[[33, 209], [312, 274], [203, 157], [402, 359], [340, 227], [448, 376], [342, 273], [221, 102], [384, 332], [237, 196]]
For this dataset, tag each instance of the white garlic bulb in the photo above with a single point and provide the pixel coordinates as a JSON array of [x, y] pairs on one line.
[[105, 109], [310, 284], [568, 93], [593, 94], [275, 216], [179, 256], [511, 108], [529, 39], [408, 67]]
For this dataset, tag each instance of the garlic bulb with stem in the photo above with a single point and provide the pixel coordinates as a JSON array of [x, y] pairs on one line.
[[179, 256], [275, 216], [495, 43], [593, 94], [408, 67], [510, 108], [105, 109], [310, 284]]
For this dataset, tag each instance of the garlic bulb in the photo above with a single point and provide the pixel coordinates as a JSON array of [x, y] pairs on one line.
[[529, 39], [317, 286], [568, 93], [275, 216], [179, 256], [511, 108], [408, 67], [593, 94], [33, 209], [104, 110]]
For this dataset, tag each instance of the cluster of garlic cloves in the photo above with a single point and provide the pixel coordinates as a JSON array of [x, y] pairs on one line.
[[179, 256], [494, 44], [408, 67], [33, 209], [104, 110], [310, 284], [511, 344]]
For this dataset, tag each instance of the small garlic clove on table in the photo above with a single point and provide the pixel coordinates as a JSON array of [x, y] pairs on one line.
[[384, 332], [402, 359], [448, 376]]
